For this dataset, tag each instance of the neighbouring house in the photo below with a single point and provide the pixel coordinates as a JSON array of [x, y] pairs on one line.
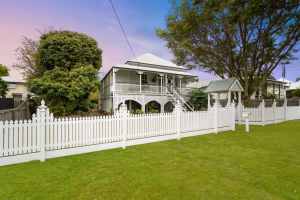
[[146, 84], [198, 84], [17, 88], [294, 85], [272, 89], [292, 90]]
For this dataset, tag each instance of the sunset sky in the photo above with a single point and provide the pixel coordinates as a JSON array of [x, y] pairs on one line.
[[94, 17]]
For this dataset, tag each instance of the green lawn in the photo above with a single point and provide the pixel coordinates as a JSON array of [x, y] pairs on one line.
[[262, 165]]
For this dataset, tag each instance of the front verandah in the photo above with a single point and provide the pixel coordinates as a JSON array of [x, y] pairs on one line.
[[146, 82]]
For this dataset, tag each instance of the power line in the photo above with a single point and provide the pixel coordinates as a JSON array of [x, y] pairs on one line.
[[121, 26]]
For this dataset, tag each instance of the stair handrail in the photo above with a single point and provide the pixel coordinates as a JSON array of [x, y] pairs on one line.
[[183, 100]]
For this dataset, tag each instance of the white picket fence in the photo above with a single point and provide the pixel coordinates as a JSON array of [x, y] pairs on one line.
[[46, 137], [263, 115]]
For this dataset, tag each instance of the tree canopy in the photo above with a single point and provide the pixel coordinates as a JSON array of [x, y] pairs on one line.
[[3, 70], [62, 68], [67, 49], [3, 84], [66, 91], [243, 39], [198, 99]]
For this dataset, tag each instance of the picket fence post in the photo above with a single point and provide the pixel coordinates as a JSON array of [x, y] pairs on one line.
[[1, 139], [178, 111], [41, 126], [274, 110], [263, 106], [285, 109], [240, 110], [123, 114], [232, 108], [215, 111]]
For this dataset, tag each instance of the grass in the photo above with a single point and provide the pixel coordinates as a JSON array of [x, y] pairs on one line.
[[262, 165]]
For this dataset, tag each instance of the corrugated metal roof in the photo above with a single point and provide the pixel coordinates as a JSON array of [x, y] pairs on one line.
[[224, 85], [151, 59], [198, 84]]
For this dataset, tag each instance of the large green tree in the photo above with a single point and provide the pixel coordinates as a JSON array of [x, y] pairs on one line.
[[64, 70], [66, 91], [234, 38], [198, 99], [3, 84], [67, 49]]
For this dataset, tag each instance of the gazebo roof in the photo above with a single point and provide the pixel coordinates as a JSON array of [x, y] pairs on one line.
[[224, 85]]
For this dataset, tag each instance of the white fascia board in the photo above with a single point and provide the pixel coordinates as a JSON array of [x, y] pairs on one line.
[[150, 69]]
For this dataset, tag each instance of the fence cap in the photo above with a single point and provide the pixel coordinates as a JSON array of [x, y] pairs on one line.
[[43, 105]]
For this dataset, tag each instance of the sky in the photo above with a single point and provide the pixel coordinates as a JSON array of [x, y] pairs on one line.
[[140, 19]]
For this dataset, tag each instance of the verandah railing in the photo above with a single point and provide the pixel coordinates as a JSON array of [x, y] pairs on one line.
[[129, 88]]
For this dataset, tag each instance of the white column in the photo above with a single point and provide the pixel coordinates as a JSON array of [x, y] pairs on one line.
[[140, 74], [114, 88], [161, 82], [166, 82], [114, 81], [180, 84]]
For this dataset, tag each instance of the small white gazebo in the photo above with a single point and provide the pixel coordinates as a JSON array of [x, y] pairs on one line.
[[224, 86]]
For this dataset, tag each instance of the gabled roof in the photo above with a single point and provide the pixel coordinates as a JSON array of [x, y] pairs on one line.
[[151, 59], [151, 63], [224, 85]]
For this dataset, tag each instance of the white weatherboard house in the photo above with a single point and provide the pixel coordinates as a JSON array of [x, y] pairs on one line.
[[144, 83]]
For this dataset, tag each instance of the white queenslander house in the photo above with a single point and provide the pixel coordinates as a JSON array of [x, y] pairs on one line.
[[146, 84]]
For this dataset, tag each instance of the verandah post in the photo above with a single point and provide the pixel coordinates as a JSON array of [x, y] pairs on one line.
[[178, 111], [41, 124]]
